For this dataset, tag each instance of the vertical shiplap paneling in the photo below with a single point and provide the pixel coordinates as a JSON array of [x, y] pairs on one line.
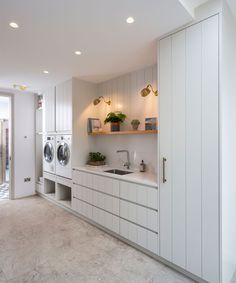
[[124, 93], [134, 110], [154, 83], [148, 100], [69, 105], [64, 106], [165, 61], [194, 149], [126, 99], [49, 112], [210, 155], [178, 149], [59, 104]]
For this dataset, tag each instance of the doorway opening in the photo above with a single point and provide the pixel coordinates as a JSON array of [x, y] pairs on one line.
[[5, 146]]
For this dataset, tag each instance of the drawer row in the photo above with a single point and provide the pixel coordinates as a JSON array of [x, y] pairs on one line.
[[140, 194], [104, 201], [141, 236], [99, 216], [140, 215]]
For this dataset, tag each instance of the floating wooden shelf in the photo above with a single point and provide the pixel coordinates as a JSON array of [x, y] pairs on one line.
[[124, 133]]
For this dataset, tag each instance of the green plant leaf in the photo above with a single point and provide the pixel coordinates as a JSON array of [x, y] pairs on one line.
[[115, 117], [96, 156]]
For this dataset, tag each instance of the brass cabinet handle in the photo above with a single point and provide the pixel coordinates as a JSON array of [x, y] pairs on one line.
[[164, 169]]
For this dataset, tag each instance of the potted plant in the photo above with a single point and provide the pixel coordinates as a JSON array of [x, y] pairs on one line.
[[115, 118], [135, 123], [96, 159]]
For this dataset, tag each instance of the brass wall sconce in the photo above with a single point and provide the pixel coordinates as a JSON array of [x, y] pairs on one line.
[[98, 100], [145, 92], [20, 87]]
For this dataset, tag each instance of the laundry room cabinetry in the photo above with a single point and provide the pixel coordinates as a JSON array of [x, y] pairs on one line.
[[66, 102], [189, 149], [64, 107], [49, 110], [126, 208], [58, 108]]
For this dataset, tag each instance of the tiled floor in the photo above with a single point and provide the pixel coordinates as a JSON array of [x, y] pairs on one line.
[[40, 242], [4, 191]]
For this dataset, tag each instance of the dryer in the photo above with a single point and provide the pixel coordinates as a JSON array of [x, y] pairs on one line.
[[49, 152], [63, 156]]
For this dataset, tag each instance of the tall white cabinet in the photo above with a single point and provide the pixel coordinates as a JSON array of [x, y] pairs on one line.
[[58, 108], [49, 112], [189, 149], [64, 107]]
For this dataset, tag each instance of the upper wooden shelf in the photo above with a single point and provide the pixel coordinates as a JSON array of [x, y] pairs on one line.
[[143, 132]]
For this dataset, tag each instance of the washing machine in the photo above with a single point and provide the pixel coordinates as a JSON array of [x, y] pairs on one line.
[[63, 156], [49, 152]]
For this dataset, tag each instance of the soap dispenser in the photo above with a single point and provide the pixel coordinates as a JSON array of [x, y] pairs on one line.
[[142, 166]]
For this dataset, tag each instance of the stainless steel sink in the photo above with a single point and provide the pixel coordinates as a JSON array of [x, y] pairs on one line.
[[118, 172]]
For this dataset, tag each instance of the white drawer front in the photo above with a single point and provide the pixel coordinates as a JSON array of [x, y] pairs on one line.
[[106, 219], [106, 202], [138, 214], [82, 208], [139, 194], [83, 178], [83, 193], [139, 235], [106, 185]]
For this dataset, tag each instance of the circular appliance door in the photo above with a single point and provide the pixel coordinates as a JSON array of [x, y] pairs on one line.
[[63, 154], [48, 152]]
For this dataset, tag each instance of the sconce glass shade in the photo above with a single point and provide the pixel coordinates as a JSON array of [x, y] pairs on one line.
[[20, 87], [98, 100], [145, 92]]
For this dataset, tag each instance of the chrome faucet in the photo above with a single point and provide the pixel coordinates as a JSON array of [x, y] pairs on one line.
[[126, 164]]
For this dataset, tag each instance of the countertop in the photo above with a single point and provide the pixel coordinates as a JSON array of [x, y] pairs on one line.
[[142, 178]]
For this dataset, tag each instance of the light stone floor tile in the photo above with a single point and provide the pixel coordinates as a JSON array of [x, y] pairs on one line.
[[40, 242]]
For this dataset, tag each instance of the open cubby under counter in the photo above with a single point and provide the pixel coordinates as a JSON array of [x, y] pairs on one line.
[[50, 188], [63, 194]]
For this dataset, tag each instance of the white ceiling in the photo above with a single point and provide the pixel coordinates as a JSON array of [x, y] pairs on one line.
[[232, 5], [191, 5], [51, 30]]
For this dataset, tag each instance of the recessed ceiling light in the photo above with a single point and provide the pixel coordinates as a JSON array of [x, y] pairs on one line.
[[77, 52], [45, 72], [130, 20], [13, 25]]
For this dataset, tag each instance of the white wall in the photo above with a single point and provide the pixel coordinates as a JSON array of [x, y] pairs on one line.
[[124, 93], [228, 143], [23, 142], [83, 95]]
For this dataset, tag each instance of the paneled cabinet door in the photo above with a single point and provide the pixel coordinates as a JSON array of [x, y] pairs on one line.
[[64, 107], [49, 110], [189, 211]]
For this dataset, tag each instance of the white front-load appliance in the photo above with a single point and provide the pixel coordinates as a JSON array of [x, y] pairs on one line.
[[49, 154], [63, 156]]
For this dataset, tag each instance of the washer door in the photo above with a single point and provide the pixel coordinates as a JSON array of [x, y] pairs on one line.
[[63, 153], [48, 152]]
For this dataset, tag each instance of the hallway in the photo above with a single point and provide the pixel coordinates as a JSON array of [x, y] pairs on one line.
[[4, 191]]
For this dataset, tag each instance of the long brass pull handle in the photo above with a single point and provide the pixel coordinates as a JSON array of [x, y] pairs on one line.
[[164, 169]]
